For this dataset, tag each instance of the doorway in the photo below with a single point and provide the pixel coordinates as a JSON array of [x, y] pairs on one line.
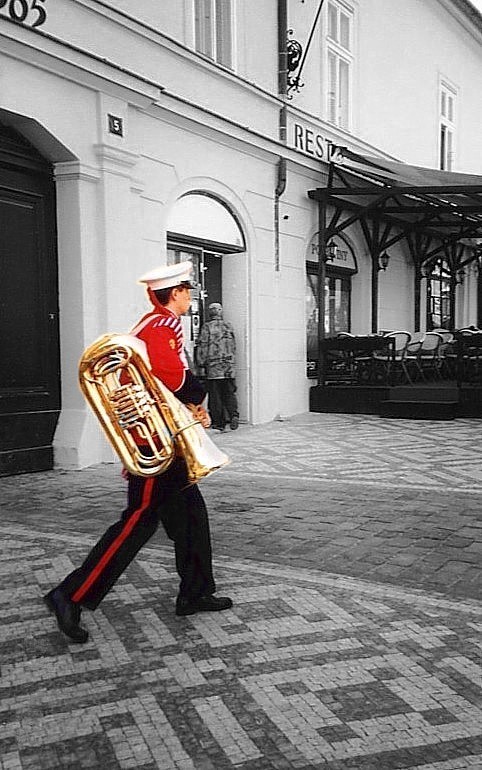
[[29, 323], [207, 283], [205, 230], [202, 229]]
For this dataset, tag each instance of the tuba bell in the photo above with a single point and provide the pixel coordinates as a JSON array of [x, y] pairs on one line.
[[145, 423]]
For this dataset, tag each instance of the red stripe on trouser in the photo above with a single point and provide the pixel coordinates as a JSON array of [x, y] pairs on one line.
[[116, 544]]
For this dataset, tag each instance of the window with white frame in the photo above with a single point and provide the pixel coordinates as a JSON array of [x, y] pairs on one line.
[[339, 63], [213, 30], [447, 127]]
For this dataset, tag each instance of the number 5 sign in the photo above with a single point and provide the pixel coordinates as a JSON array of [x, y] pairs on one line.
[[31, 12]]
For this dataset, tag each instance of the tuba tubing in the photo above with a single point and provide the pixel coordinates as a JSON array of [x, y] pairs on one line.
[[143, 420]]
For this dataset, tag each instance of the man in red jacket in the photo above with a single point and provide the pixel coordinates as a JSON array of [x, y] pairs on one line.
[[164, 498]]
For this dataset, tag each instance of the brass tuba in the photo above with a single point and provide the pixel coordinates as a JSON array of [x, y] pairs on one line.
[[129, 401]]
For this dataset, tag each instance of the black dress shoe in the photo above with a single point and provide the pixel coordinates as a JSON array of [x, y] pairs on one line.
[[203, 604], [67, 614]]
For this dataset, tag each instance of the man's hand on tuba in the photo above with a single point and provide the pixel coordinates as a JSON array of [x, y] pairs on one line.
[[201, 414]]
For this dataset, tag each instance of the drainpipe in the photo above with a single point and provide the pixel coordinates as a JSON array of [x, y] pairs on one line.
[[282, 133], [282, 65], [282, 47], [282, 91], [280, 188]]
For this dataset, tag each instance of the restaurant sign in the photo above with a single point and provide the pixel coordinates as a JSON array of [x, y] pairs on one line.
[[306, 138], [344, 258]]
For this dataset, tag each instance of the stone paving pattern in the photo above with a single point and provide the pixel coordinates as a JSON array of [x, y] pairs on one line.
[[351, 547]]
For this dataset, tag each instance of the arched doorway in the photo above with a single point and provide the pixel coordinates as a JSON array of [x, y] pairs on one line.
[[202, 229], [29, 339]]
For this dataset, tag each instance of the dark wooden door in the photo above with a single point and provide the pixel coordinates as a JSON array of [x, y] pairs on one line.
[[213, 278], [29, 335]]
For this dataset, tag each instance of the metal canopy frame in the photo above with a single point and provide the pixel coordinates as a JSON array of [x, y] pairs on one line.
[[441, 205], [432, 210]]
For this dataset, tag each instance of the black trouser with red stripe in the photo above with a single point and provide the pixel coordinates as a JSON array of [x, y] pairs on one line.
[[162, 499]]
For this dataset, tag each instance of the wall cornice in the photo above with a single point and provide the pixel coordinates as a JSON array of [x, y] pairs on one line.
[[466, 14], [74, 170]]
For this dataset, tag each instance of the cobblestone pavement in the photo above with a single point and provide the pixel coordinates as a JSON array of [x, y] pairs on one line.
[[351, 547]]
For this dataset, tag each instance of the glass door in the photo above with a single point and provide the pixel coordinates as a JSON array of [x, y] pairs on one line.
[[337, 311], [337, 305], [207, 288]]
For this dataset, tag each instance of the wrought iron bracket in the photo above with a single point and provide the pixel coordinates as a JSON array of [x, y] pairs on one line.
[[294, 52]]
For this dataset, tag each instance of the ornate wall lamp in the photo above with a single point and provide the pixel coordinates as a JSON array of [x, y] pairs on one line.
[[330, 251], [425, 270], [383, 261]]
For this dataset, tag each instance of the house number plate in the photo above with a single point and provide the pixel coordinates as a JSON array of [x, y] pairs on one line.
[[33, 13]]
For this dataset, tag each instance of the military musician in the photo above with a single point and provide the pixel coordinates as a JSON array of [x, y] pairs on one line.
[[165, 498]]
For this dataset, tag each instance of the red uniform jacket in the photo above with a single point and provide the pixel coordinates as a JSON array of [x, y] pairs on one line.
[[162, 333]]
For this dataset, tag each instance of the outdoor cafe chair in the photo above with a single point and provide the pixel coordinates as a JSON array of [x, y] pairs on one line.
[[395, 364], [417, 337], [447, 353], [446, 335], [339, 362], [469, 357], [425, 355], [411, 355]]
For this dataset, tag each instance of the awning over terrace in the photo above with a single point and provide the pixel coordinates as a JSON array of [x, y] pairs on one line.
[[438, 213], [442, 204]]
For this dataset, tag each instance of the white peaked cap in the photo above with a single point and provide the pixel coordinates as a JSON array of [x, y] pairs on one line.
[[168, 275]]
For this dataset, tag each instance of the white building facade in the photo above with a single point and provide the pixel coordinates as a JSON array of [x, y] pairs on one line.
[[137, 133]]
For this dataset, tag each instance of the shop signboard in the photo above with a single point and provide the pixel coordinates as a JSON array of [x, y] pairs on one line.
[[308, 139], [344, 258]]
